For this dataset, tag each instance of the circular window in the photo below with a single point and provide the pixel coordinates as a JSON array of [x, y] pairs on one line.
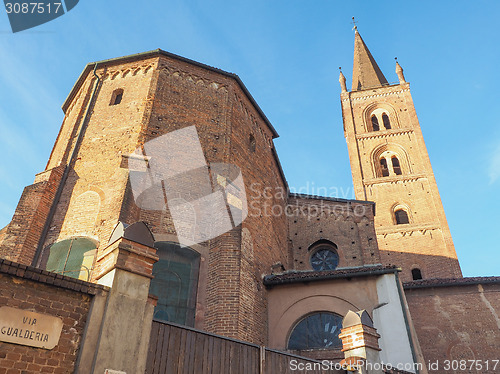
[[317, 331], [324, 258]]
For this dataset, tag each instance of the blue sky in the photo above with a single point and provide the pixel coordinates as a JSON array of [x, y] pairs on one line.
[[287, 53]]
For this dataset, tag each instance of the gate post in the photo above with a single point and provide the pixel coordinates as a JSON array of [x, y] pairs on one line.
[[121, 341]]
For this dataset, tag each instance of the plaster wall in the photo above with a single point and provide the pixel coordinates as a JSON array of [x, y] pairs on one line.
[[390, 323]]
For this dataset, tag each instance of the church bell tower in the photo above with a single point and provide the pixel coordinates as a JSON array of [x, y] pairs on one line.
[[390, 166]]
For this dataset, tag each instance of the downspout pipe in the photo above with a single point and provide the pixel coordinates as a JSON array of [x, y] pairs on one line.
[[64, 178]]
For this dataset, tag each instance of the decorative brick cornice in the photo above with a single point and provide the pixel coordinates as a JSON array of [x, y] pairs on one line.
[[394, 179], [407, 229], [387, 93], [132, 70], [194, 78], [383, 134]]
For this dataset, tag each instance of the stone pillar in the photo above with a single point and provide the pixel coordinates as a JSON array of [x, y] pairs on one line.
[[360, 344], [121, 341]]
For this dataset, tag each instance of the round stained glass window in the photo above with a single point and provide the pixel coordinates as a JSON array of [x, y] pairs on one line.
[[317, 331], [324, 259]]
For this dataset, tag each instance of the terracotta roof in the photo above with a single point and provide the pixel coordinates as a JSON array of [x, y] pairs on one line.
[[43, 276], [341, 273], [449, 282]]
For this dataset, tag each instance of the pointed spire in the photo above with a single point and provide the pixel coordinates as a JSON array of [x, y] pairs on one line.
[[365, 72], [399, 72], [342, 81]]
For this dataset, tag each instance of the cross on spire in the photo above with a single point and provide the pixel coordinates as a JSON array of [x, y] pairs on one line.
[[354, 23]]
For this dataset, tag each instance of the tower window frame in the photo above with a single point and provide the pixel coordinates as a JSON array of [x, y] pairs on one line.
[[380, 117], [386, 121], [401, 216], [396, 165], [389, 163], [384, 168]]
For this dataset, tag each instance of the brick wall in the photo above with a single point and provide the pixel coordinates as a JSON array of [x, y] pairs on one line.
[[265, 231], [22, 235], [347, 224], [38, 291], [457, 322]]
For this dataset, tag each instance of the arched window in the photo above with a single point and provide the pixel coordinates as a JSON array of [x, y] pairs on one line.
[[72, 257], [375, 125], [316, 331], [396, 165], [387, 123], [324, 256], [384, 168], [175, 283], [116, 97], [416, 274], [401, 217]]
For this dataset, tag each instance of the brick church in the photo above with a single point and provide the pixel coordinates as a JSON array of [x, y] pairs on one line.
[[162, 238]]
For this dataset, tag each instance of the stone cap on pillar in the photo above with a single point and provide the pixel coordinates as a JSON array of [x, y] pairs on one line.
[[356, 318], [130, 248], [358, 333], [138, 232]]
